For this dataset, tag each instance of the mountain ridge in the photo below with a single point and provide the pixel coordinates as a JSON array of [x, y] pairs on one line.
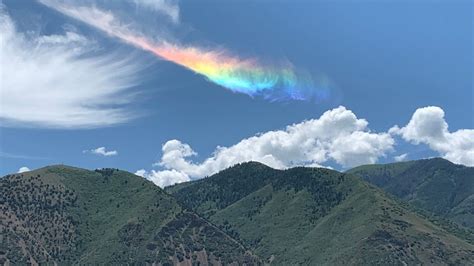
[[103, 216], [247, 214], [300, 206], [436, 185]]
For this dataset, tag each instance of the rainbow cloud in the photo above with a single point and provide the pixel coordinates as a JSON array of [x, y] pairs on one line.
[[247, 76]]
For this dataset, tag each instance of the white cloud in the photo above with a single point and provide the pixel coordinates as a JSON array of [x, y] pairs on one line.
[[164, 178], [401, 157], [69, 38], [141, 172], [337, 135], [23, 169], [54, 81], [111, 22], [101, 151], [360, 147], [428, 126], [167, 7]]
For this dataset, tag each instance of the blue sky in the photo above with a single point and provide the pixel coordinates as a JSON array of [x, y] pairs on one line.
[[383, 60]]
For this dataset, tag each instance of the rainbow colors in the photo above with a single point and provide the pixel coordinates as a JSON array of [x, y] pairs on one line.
[[244, 76], [230, 72], [249, 76]]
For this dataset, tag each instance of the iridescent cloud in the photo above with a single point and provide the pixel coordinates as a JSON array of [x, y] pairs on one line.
[[248, 76]]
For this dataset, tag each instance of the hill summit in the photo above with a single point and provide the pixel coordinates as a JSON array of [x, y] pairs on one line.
[[249, 214], [315, 216], [435, 185], [69, 215]]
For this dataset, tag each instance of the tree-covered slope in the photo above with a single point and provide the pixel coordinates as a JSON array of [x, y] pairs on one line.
[[69, 215], [435, 185], [318, 216]]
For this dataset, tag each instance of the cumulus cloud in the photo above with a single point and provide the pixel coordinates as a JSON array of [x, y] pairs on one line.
[[55, 81], [102, 151], [164, 178], [338, 135], [167, 7], [141, 172], [401, 157], [23, 169], [428, 126]]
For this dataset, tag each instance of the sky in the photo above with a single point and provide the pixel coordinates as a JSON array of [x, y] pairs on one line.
[[178, 90]]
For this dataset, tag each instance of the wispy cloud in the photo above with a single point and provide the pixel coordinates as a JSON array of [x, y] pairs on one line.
[[167, 7], [102, 151], [21, 156], [251, 76], [54, 81]]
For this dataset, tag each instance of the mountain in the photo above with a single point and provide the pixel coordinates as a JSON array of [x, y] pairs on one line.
[[315, 216], [249, 214], [65, 215], [435, 185]]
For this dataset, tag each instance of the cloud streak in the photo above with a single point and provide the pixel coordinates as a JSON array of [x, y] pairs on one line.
[[167, 7], [54, 81], [102, 151], [21, 156], [248, 76]]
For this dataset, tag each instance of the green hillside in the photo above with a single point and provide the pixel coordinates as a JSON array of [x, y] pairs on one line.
[[435, 185], [318, 216], [250, 214], [68, 215]]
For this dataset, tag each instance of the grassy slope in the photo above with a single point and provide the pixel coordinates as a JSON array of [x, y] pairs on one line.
[[318, 216], [435, 185], [81, 216]]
